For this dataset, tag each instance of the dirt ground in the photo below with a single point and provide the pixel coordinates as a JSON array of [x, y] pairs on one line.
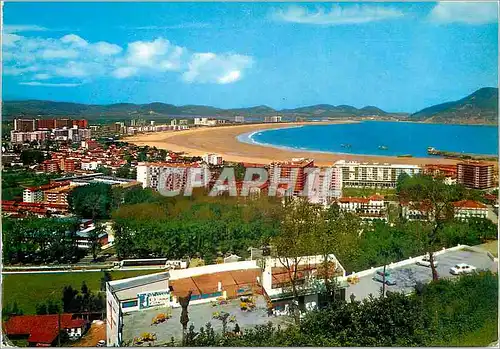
[[96, 332]]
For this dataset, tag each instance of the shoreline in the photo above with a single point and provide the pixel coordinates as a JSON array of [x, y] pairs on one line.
[[223, 140]]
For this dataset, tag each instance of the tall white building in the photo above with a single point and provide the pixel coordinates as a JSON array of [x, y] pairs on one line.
[[172, 176], [356, 174], [212, 159]]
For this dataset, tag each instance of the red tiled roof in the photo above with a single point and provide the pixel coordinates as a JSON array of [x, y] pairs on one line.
[[355, 200], [468, 204], [376, 197], [40, 328]]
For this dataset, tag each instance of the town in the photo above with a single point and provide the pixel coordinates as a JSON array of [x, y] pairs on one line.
[[77, 198]]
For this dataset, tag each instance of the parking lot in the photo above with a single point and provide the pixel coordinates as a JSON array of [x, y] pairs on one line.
[[136, 323], [407, 276]]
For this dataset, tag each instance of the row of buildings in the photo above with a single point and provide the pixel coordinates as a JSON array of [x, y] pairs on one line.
[[40, 130]]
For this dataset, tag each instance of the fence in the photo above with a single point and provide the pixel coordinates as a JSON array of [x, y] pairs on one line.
[[411, 260]]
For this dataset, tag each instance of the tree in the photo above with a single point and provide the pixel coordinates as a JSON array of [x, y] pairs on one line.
[[104, 170], [41, 309], [433, 198], [95, 241], [68, 298], [91, 201], [184, 320], [105, 278], [295, 241], [31, 156], [334, 231]]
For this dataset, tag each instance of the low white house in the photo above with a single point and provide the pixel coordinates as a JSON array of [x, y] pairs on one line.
[[468, 209]]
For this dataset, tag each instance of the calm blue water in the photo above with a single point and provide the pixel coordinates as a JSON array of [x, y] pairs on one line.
[[366, 137]]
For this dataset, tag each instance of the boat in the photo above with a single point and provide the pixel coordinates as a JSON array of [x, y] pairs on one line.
[[345, 145], [383, 147]]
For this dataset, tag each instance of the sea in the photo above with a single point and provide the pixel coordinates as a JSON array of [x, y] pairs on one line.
[[383, 138]]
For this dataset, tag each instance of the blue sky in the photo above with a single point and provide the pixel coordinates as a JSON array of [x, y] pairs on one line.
[[397, 56]]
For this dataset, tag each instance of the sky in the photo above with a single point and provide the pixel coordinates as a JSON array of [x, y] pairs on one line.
[[400, 57]]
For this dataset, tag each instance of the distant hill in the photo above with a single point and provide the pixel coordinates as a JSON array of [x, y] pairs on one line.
[[30, 108], [478, 107]]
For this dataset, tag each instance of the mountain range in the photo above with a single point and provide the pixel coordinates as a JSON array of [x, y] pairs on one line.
[[479, 107]]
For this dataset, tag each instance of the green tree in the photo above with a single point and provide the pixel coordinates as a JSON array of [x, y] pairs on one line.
[[294, 241], [434, 199], [91, 201]]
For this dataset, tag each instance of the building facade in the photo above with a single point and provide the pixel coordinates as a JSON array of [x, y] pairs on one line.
[[475, 175], [213, 159], [292, 174], [356, 174], [172, 176]]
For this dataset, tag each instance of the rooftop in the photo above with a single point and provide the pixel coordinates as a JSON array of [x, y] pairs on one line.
[[469, 204]]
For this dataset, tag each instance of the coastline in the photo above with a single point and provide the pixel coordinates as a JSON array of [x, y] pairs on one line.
[[223, 140]]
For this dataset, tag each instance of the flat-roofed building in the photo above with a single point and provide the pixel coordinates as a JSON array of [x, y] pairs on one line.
[[172, 176], [291, 173], [474, 174], [24, 125], [356, 174]]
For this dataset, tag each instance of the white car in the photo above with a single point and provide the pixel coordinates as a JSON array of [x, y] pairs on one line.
[[425, 262], [462, 268]]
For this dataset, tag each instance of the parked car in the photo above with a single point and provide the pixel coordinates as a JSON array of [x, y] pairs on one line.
[[379, 276], [425, 262], [462, 268]]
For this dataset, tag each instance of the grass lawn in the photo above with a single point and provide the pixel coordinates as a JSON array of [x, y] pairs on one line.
[[482, 337], [30, 289], [491, 247], [361, 192]]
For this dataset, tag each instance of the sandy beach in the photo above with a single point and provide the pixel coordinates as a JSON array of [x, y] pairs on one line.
[[223, 140]]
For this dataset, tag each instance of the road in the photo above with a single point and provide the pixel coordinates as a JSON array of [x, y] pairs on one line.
[[407, 276]]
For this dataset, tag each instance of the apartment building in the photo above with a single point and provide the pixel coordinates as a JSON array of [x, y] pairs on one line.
[[19, 137], [29, 125], [36, 194], [291, 173], [24, 125], [326, 186], [168, 176], [239, 119], [474, 174], [274, 118], [58, 196], [356, 174], [213, 159], [205, 121]]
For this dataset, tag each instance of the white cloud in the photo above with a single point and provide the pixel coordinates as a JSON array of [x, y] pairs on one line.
[[72, 57], [220, 69], [107, 49], [10, 39], [465, 12], [230, 77], [37, 83], [74, 70], [74, 40], [124, 72], [59, 54], [42, 76], [336, 14], [22, 28]]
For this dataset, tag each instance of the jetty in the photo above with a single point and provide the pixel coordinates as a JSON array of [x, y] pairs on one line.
[[458, 155]]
